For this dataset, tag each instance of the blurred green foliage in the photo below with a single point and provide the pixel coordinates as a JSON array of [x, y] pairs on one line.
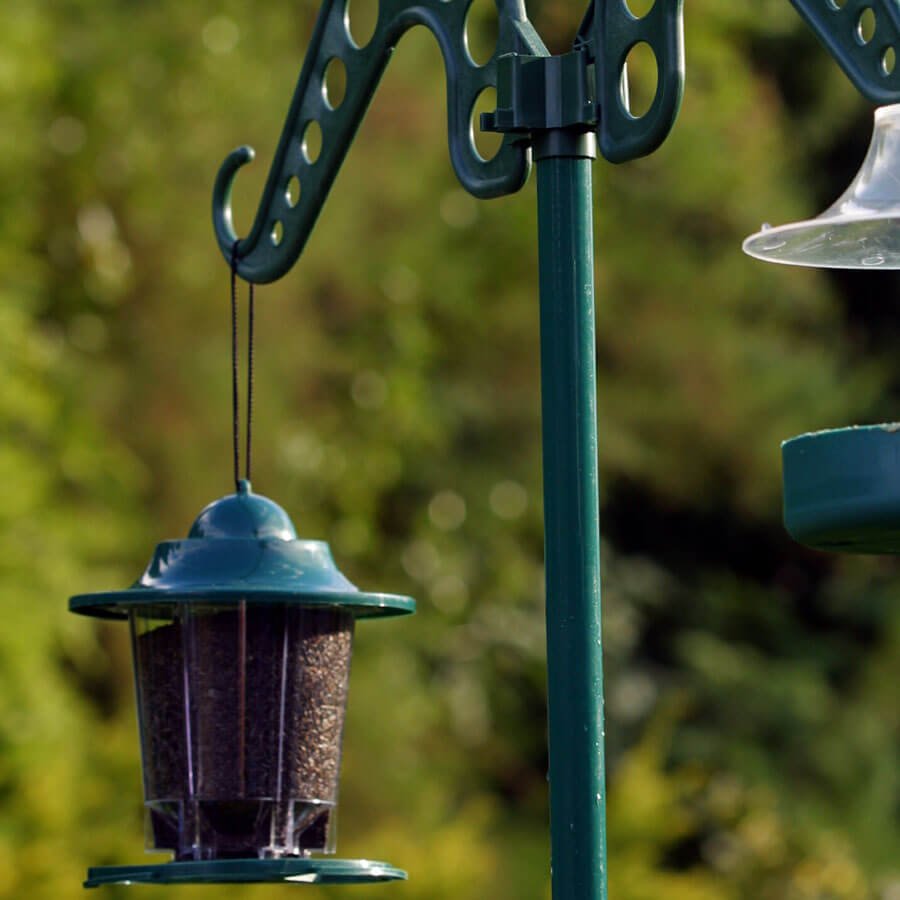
[[754, 726]]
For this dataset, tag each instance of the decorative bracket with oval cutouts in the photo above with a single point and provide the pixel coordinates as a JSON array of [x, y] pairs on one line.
[[301, 174], [864, 37], [608, 35]]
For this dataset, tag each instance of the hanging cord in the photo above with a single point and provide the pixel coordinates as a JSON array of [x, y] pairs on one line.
[[251, 316], [235, 393]]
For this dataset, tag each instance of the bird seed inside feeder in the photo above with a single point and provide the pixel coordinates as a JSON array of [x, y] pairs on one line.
[[241, 711]]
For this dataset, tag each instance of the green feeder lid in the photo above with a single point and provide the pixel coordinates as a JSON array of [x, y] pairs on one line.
[[842, 489], [295, 870], [242, 547]]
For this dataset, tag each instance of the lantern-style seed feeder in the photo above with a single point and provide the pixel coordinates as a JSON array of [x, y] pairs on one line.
[[242, 636]]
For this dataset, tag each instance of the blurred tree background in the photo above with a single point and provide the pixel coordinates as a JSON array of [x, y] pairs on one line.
[[753, 720]]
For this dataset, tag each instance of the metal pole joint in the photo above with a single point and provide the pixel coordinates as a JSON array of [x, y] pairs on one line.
[[538, 93]]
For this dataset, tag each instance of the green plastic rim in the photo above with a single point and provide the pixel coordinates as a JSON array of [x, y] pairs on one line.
[[116, 604], [248, 871], [842, 489]]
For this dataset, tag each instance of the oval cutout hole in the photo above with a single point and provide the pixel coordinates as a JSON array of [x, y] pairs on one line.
[[865, 27], [334, 84], [277, 234], [889, 61], [486, 143], [361, 18], [482, 31], [312, 141], [639, 8], [292, 191], [640, 78]]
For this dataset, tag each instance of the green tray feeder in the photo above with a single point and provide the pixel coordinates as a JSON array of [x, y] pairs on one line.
[[242, 638], [842, 489]]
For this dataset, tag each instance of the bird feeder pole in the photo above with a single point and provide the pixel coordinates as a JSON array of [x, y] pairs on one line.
[[553, 107]]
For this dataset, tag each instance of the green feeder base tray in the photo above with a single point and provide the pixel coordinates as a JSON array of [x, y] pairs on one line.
[[842, 489], [236, 871]]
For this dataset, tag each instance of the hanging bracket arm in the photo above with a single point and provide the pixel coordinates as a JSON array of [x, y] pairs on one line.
[[864, 38], [302, 173]]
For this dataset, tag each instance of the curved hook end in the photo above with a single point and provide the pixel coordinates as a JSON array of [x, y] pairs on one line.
[[221, 203]]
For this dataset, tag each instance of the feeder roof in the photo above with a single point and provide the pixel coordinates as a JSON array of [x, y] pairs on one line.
[[241, 547], [243, 516]]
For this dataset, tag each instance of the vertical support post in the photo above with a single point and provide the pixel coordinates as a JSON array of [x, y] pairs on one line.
[[571, 515]]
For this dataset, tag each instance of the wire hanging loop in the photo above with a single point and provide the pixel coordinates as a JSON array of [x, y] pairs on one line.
[[251, 316], [235, 374]]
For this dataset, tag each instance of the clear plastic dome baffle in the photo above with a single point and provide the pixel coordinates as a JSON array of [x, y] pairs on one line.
[[242, 637], [861, 230]]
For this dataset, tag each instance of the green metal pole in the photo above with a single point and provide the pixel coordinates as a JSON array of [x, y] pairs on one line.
[[571, 516]]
